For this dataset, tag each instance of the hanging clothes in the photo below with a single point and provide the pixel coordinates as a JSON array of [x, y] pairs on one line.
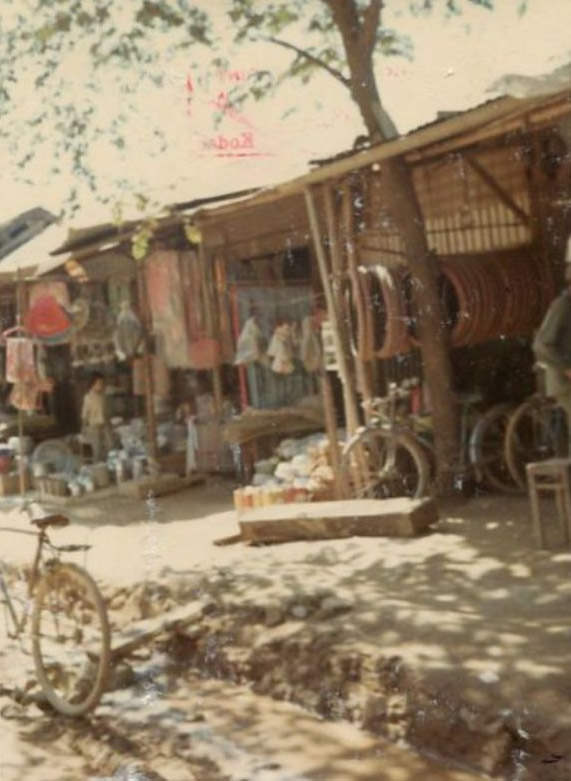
[[310, 347], [25, 396], [281, 350], [165, 293], [249, 347], [20, 360], [128, 333]]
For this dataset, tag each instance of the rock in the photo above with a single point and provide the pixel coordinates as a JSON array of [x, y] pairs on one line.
[[122, 676], [299, 611]]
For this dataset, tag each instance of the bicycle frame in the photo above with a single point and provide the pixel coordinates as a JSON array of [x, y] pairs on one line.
[[19, 623]]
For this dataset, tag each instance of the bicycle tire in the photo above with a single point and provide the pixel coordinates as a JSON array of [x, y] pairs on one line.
[[492, 469], [380, 486], [91, 687], [532, 409]]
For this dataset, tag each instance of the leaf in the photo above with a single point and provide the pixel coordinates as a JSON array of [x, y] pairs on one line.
[[192, 233], [117, 214], [141, 202]]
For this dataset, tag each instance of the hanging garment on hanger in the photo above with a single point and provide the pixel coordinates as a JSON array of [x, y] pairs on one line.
[[25, 396], [128, 333], [310, 347], [281, 350], [20, 360], [249, 347]]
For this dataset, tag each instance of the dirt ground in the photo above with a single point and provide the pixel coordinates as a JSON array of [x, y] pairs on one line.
[[466, 629]]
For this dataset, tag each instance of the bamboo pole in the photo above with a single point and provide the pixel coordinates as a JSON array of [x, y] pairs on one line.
[[21, 305], [333, 314], [145, 313], [359, 471], [362, 347]]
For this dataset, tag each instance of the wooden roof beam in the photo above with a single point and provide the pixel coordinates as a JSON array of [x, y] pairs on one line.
[[497, 189]]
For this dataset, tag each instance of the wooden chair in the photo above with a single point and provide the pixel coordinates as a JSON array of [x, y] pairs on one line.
[[550, 476]]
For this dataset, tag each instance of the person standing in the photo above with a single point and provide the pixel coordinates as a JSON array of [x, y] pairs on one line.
[[552, 348], [94, 419]]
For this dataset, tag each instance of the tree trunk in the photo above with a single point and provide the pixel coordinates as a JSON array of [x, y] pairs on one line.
[[358, 34], [433, 334]]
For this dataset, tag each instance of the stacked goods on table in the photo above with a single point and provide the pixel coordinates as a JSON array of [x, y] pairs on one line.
[[299, 471]]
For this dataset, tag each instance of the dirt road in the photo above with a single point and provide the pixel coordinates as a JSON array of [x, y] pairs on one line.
[[202, 730]]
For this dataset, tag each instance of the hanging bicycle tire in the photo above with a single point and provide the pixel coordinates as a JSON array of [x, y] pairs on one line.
[[486, 449], [535, 432], [71, 639], [395, 464]]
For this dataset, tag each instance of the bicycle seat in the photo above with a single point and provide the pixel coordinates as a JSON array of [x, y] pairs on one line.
[[51, 520]]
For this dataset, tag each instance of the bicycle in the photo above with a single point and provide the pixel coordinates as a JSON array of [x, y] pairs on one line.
[[70, 634], [536, 431], [394, 454]]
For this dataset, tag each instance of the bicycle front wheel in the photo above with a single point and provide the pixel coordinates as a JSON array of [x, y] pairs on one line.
[[71, 639], [382, 465]]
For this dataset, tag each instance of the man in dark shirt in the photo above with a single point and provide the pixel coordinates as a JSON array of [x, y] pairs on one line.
[[552, 348]]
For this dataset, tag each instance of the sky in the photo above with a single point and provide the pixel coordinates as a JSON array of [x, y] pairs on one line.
[[455, 62]]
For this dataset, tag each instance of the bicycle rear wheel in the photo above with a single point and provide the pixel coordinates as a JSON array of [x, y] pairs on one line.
[[486, 449], [536, 431], [71, 639], [394, 464]]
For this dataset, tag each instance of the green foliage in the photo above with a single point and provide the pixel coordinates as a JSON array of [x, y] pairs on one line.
[[132, 41]]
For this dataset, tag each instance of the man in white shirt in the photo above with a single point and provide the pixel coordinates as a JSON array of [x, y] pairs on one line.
[[95, 425]]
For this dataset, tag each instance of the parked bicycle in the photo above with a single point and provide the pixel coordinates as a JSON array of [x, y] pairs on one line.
[[394, 454], [536, 431], [70, 634]]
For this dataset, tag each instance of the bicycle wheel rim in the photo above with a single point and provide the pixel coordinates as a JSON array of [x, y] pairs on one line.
[[70, 639], [529, 438], [487, 452], [395, 465]]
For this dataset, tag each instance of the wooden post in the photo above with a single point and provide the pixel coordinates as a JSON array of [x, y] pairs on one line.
[[21, 305], [340, 487], [146, 319], [211, 329], [362, 346]]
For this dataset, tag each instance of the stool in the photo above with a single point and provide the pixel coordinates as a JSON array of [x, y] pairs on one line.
[[551, 475]]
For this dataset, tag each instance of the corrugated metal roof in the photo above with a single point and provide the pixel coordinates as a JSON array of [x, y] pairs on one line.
[[492, 114], [21, 229], [33, 258], [441, 117]]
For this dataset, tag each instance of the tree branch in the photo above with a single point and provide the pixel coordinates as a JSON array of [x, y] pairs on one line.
[[370, 24], [315, 60]]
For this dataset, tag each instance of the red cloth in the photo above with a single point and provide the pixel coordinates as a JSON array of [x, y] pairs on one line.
[[46, 318]]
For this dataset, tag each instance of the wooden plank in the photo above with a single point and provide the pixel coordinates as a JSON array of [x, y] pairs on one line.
[[142, 632], [159, 486], [328, 520], [502, 194]]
